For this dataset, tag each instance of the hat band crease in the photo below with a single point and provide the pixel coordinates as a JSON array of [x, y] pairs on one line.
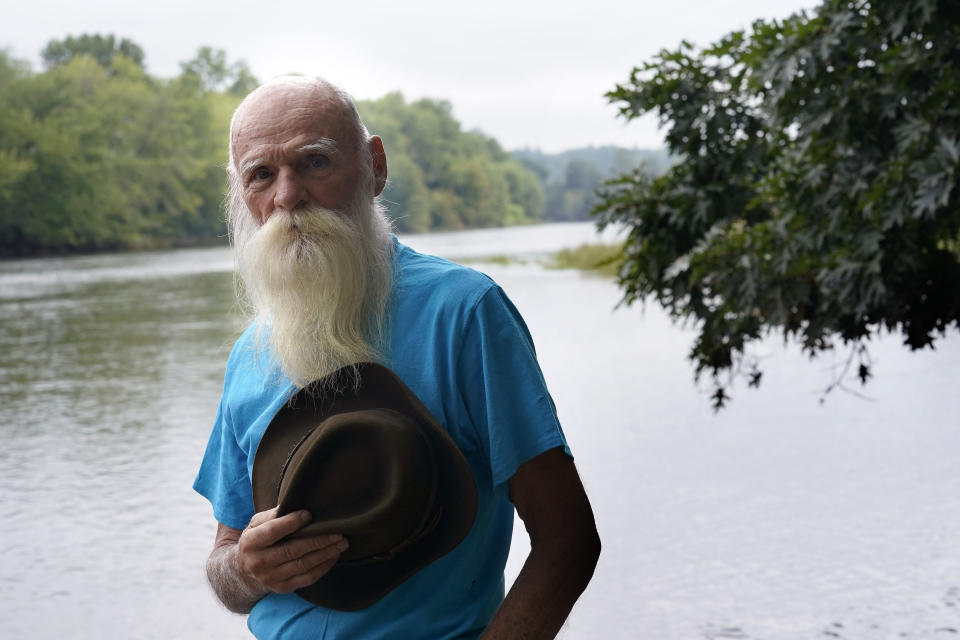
[[286, 463], [424, 531]]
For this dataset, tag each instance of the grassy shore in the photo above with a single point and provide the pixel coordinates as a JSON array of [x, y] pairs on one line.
[[602, 258], [599, 258]]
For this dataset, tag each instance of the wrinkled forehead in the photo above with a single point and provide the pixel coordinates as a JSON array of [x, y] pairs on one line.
[[287, 110]]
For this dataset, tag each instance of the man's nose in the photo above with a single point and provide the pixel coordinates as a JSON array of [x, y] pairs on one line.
[[290, 193]]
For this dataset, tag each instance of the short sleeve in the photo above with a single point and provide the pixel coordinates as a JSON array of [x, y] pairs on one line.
[[503, 388], [223, 477]]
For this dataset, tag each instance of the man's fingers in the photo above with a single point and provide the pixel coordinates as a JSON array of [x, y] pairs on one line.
[[306, 578], [272, 529], [299, 556], [307, 558], [263, 516], [296, 549]]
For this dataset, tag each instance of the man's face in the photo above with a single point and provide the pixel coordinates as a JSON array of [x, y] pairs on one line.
[[313, 246], [293, 148]]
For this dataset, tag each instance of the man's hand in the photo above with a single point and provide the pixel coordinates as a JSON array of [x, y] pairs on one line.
[[246, 565], [283, 567]]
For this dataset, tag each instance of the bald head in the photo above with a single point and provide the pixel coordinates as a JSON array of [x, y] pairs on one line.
[[299, 142], [277, 98]]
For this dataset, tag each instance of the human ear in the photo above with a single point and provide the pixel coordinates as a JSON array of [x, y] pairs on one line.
[[379, 164]]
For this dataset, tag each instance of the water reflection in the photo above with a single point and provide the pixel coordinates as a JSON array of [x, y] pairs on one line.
[[102, 365], [72, 354]]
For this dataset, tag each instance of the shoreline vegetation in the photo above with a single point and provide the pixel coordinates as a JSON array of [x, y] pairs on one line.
[[97, 155], [601, 259]]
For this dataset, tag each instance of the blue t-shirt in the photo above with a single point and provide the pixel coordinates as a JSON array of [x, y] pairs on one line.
[[462, 347]]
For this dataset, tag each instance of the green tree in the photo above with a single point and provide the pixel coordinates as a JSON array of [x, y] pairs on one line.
[[573, 196], [101, 48], [570, 179], [582, 175], [444, 177], [211, 69], [816, 189], [524, 192], [95, 158], [15, 161]]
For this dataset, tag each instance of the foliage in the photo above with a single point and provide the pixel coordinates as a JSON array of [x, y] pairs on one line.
[[609, 160], [213, 72], [96, 157], [571, 178], [573, 197], [817, 193], [602, 258], [101, 48], [96, 154], [444, 178]]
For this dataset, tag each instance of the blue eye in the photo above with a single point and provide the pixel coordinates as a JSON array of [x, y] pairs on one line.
[[318, 161], [259, 174]]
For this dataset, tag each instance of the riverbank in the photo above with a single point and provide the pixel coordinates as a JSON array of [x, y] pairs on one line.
[[600, 258]]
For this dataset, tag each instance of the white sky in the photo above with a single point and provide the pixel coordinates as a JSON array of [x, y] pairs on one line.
[[529, 73]]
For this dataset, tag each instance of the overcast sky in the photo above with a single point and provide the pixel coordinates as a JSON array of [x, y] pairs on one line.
[[531, 74]]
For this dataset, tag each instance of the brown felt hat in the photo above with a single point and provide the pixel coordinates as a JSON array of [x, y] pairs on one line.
[[373, 464]]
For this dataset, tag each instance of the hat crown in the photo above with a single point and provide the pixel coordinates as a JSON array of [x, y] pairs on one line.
[[369, 475]]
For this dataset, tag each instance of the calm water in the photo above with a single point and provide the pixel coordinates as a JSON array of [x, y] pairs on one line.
[[778, 518]]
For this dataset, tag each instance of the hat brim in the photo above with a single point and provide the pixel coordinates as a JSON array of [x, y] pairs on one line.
[[349, 587]]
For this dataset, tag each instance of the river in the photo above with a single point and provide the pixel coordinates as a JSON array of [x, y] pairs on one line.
[[780, 517]]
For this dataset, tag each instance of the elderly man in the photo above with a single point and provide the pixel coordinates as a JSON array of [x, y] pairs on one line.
[[330, 286]]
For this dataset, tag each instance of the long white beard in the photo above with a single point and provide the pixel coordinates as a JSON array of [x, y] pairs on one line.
[[318, 283]]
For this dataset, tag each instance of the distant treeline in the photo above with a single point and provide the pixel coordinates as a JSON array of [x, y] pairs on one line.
[[97, 154], [570, 178], [444, 178]]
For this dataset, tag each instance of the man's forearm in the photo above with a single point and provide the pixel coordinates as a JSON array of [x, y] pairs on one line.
[[237, 593], [552, 579]]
